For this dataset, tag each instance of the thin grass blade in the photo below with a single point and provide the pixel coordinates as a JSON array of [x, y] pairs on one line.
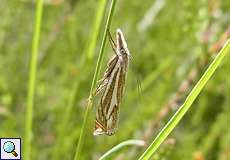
[[121, 145], [32, 79], [95, 78], [172, 123]]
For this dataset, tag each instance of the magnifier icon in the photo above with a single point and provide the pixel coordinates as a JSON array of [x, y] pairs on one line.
[[9, 147]]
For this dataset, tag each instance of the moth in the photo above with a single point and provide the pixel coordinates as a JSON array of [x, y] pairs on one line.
[[111, 87]]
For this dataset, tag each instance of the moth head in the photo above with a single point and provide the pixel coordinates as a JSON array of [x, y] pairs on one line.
[[121, 43]]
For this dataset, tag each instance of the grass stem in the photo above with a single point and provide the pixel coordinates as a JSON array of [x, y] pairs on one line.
[[95, 78], [89, 53], [172, 123], [32, 79]]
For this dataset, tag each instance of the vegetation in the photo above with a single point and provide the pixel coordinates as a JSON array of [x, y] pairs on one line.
[[172, 45]]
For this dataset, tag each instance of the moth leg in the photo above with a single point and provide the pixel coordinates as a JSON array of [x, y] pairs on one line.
[[111, 41]]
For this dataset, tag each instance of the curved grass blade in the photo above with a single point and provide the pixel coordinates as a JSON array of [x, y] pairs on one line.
[[121, 145], [172, 123]]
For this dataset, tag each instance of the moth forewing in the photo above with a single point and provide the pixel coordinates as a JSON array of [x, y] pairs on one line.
[[103, 82], [111, 88]]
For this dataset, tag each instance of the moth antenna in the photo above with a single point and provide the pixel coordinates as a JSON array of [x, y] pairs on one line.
[[139, 88]]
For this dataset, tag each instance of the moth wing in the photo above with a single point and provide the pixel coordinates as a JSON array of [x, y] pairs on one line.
[[104, 81], [112, 122], [99, 129], [112, 119], [121, 84], [100, 124], [114, 116]]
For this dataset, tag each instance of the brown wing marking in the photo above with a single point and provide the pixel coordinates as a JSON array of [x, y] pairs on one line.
[[103, 107], [121, 83], [109, 95], [104, 81], [113, 119], [110, 66], [99, 128]]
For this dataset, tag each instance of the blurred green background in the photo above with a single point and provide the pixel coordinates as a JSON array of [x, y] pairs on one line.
[[171, 42]]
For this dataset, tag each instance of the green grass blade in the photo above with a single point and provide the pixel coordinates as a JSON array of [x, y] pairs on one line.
[[95, 32], [121, 145], [31, 82], [95, 78], [187, 104], [101, 53], [90, 51]]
